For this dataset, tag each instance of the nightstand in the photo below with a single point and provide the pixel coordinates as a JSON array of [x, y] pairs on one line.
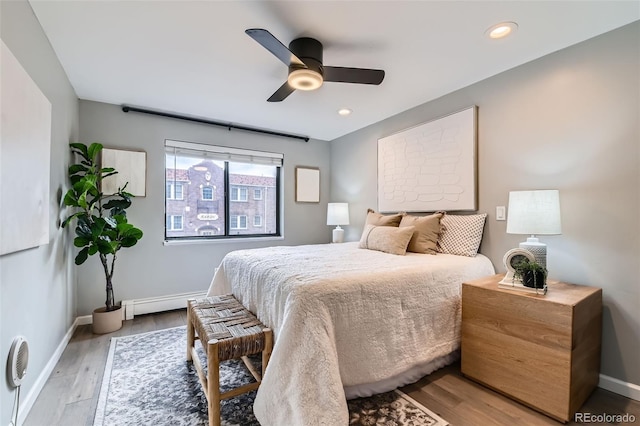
[[541, 350]]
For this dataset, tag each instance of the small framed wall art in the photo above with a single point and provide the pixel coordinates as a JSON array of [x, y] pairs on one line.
[[307, 185], [131, 167]]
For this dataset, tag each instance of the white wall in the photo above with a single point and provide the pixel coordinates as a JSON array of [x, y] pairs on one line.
[[567, 121], [151, 269], [36, 285]]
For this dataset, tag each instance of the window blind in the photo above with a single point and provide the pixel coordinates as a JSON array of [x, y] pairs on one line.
[[197, 150]]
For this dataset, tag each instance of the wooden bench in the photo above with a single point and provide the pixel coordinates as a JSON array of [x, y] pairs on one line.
[[227, 330]]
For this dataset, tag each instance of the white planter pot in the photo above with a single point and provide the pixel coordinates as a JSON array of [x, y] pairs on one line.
[[107, 322]]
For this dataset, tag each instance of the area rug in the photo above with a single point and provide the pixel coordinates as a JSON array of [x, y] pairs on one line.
[[148, 382]]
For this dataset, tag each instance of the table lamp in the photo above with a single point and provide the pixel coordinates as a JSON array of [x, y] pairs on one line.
[[534, 213], [338, 214]]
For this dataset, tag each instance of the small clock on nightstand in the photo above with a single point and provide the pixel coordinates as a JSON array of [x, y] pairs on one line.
[[511, 259]]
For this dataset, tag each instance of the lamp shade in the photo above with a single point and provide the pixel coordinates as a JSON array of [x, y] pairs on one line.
[[534, 212], [338, 214]]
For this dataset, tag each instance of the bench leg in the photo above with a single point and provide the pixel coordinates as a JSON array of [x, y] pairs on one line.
[[190, 331], [213, 382], [268, 345]]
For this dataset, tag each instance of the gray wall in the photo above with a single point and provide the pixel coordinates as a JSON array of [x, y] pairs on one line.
[[567, 121], [152, 269], [36, 285]]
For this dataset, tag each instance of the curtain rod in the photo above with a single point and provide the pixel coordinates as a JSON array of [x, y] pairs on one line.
[[127, 108]]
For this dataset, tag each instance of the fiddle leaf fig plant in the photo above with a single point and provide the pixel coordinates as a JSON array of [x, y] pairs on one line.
[[101, 220]]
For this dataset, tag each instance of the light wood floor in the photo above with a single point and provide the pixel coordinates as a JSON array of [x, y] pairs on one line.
[[70, 395]]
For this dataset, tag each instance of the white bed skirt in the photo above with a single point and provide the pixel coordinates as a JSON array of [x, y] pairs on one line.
[[410, 376]]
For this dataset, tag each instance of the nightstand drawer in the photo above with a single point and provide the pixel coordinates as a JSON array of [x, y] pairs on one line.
[[505, 363], [532, 318]]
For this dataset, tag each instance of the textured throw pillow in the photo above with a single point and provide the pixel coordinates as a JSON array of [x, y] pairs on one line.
[[388, 239], [461, 235], [378, 219], [425, 236]]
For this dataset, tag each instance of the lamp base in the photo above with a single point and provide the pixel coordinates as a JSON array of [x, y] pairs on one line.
[[538, 249], [338, 235]]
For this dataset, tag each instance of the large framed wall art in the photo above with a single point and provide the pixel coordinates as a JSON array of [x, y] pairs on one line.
[[430, 167], [25, 148]]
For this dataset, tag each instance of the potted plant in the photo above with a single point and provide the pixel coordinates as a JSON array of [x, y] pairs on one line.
[[101, 224], [530, 274]]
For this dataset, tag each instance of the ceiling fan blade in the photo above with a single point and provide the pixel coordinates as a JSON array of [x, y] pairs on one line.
[[273, 45], [282, 93], [353, 75]]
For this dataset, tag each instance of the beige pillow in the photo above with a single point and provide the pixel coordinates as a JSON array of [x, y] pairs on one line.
[[388, 239], [378, 219], [425, 236]]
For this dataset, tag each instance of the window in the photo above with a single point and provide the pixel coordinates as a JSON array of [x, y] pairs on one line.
[[239, 222], [239, 194], [174, 222], [174, 191], [245, 203], [207, 193]]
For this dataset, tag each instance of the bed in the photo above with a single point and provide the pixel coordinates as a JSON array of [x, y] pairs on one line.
[[347, 322]]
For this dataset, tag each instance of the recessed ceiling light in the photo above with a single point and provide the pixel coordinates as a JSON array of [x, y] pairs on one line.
[[344, 111], [501, 30]]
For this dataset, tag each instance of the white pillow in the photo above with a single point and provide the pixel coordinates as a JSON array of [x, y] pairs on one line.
[[461, 234], [388, 239]]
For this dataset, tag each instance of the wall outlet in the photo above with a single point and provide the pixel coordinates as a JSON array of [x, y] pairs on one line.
[[501, 213]]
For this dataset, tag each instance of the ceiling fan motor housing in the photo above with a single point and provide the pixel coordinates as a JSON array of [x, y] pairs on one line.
[[309, 50]]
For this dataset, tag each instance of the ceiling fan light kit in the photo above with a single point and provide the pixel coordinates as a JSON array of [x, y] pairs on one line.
[[306, 71], [304, 79]]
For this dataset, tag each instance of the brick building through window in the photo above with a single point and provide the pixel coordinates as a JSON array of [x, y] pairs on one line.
[[201, 203]]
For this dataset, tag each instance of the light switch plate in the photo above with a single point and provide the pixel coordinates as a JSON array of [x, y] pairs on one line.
[[501, 213]]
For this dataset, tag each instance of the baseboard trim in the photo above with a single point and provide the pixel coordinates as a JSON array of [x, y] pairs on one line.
[[614, 385], [131, 308], [30, 399], [158, 304], [84, 320]]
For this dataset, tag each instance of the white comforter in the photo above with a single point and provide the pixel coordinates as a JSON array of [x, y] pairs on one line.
[[344, 316]]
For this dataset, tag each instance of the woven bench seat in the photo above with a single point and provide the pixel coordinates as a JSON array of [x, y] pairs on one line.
[[227, 330]]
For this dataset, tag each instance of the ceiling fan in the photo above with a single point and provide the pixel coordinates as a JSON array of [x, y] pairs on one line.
[[306, 71]]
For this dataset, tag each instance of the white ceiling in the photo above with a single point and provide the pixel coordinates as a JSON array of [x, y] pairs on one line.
[[194, 58]]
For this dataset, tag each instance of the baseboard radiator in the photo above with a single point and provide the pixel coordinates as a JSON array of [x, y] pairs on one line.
[[149, 305]]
